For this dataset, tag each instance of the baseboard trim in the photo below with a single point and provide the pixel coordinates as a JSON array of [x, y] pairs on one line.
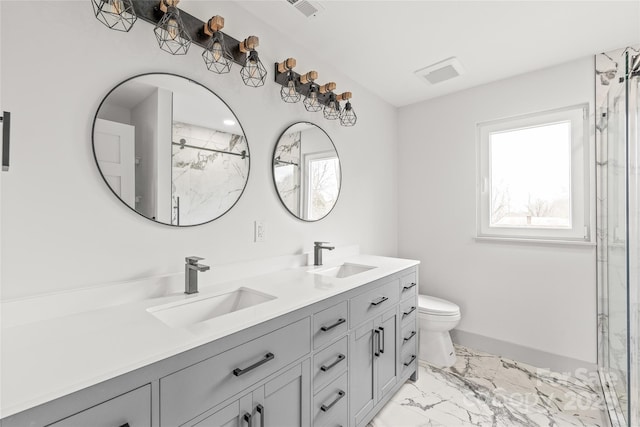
[[520, 353]]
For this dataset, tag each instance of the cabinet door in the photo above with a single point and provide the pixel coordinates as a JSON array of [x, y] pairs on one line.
[[386, 360], [285, 401], [362, 391], [236, 414]]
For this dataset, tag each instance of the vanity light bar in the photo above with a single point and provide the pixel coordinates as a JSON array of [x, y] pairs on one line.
[[325, 93]]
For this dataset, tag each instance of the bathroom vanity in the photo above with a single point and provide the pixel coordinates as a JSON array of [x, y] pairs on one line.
[[308, 346]]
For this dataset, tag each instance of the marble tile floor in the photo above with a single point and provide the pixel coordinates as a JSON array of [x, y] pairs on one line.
[[487, 390]]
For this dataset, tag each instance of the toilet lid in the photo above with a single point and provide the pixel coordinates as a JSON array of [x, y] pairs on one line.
[[433, 305]]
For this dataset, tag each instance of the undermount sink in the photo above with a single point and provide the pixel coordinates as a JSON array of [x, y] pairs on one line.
[[185, 313], [343, 270]]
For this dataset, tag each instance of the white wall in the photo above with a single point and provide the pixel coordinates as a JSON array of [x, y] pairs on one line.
[[61, 226], [537, 296]]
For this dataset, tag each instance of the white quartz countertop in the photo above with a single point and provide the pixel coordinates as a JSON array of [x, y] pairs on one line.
[[53, 357]]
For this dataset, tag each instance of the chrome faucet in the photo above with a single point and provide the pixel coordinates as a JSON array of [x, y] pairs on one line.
[[191, 269], [317, 251]]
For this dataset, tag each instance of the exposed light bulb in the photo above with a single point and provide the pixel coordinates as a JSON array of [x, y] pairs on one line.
[[173, 29], [117, 7], [291, 85], [252, 67], [313, 98], [217, 51]]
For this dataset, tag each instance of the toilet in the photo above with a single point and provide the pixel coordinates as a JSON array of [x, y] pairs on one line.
[[436, 318]]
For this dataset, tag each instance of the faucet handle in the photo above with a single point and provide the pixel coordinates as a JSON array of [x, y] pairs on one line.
[[193, 259], [320, 243]]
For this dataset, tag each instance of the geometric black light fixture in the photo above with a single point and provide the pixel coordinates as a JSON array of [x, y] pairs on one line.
[[170, 31], [216, 55], [253, 72], [331, 111], [290, 92], [118, 15], [348, 116], [316, 97]]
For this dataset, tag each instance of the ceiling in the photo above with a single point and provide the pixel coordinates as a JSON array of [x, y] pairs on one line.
[[381, 43]]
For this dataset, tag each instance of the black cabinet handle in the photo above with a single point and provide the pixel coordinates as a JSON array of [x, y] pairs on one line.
[[381, 337], [247, 419], [411, 310], [237, 372], [125, 425], [379, 301], [340, 321], [406, 288], [260, 410], [6, 134], [411, 335], [325, 368], [376, 340], [325, 408], [413, 357]]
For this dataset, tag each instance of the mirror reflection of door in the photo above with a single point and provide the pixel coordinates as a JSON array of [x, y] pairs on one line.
[[115, 155], [322, 183], [188, 153]]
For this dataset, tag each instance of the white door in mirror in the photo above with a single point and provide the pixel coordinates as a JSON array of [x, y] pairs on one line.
[[115, 153]]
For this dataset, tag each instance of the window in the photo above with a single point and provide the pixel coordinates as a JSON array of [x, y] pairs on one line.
[[322, 183], [533, 176]]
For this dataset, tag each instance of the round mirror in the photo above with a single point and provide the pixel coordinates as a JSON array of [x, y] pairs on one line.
[[170, 149], [306, 171]]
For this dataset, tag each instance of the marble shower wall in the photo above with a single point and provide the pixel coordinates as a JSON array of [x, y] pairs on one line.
[[287, 170], [208, 183]]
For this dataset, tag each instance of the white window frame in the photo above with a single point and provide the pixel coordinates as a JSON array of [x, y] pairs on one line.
[[580, 176]]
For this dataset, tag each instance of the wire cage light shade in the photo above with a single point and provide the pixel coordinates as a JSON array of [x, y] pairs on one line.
[[289, 93], [217, 56], [348, 115], [311, 101], [253, 72], [116, 14], [170, 32], [331, 111]]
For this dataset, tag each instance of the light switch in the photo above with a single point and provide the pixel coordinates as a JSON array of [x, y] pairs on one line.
[[259, 231]]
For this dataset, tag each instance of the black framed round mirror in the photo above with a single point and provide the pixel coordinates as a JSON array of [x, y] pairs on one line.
[[306, 171], [170, 149]]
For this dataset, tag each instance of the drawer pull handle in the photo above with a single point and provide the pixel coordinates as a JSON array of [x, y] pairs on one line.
[[413, 357], [340, 321], [379, 301], [406, 288], [325, 408], [247, 419], [125, 425], [237, 372], [411, 335], [411, 310], [381, 337], [260, 410], [325, 368]]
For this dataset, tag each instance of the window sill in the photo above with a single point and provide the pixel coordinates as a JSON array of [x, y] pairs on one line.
[[547, 242]]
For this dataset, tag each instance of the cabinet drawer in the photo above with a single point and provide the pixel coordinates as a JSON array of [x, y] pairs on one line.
[[329, 363], [330, 407], [408, 285], [329, 324], [408, 336], [408, 311], [408, 359], [132, 409], [191, 391], [373, 303]]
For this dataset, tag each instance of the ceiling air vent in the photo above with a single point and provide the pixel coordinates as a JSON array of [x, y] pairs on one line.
[[310, 9], [441, 71]]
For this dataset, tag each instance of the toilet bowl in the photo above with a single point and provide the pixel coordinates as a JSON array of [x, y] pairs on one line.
[[436, 317]]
